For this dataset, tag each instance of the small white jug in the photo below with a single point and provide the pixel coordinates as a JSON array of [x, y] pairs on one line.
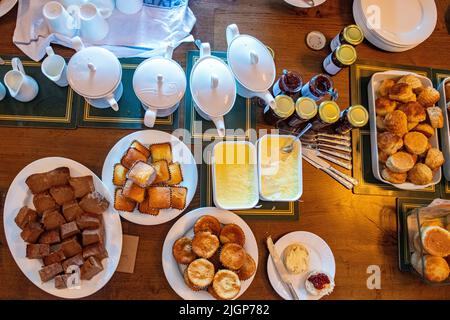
[[94, 27], [20, 86], [54, 67], [58, 19]]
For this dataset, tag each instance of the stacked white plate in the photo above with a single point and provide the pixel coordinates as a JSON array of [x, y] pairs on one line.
[[395, 25]]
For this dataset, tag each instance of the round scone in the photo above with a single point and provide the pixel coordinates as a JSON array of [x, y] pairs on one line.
[[425, 129], [232, 256], [389, 142], [428, 97], [385, 86], [434, 159], [383, 106], [207, 223], [226, 284], [402, 92], [248, 269], [296, 258], [436, 241], [400, 162], [205, 244], [396, 122], [420, 174], [200, 273], [393, 177], [414, 111], [232, 233], [436, 268], [413, 81], [415, 142], [182, 251]]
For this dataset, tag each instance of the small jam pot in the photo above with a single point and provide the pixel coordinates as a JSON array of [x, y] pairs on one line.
[[328, 114], [319, 87], [344, 56], [352, 117], [284, 107], [290, 84], [351, 34], [305, 110]]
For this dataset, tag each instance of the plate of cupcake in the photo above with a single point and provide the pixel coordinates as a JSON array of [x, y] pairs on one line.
[[210, 254]]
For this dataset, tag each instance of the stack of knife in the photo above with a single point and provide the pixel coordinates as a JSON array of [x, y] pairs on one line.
[[335, 148]]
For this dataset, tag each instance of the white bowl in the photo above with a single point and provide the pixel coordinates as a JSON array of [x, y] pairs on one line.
[[373, 86], [445, 131]]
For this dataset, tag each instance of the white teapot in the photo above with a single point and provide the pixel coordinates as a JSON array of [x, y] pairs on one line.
[[252, 65]]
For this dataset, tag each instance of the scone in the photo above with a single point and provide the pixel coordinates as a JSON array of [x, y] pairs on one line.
[[232, 256], [414, 111], [434, 159], [383, 106], [436, 268], [420, 174], [428, 97], [412, 125], [425, 129], [400, 162], [385, 87], [380, 123], [226, 284], [436, 241], [200, 273], [402, 92], [383, 156], [396, 122], [393, 177], [205, 244], [436, 117], [413, 81], [447, 92], [389, 143], [415, 142], [182, 251]]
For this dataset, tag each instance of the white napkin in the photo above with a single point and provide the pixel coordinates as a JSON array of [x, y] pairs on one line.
[[157, 25]]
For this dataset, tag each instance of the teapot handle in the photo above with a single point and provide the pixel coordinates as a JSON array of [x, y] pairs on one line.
[[77, 43], [205, 50], [49, 51], [232, 32], [150, 117], [17, 65], [113, 103]]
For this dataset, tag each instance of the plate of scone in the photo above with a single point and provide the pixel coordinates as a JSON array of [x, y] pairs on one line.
[[61, 228], [404, 120], [208, 254], [152, 175]]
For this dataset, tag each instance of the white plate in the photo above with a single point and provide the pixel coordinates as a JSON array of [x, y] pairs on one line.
[[446, 129], [303, 4], [183, 227], [373, 86], [181, 153], [6, 6], [19, 195], [320, 258]]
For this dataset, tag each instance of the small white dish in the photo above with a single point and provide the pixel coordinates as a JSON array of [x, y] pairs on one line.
[[320, 258]]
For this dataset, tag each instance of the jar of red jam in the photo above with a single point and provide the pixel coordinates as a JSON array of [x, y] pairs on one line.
[[320, 87], [327, 115], [289, 84], [352, 117], [284, 108], [305, 110], [342, 57]]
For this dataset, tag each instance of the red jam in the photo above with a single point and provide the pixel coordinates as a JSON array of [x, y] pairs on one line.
[[319, 280]]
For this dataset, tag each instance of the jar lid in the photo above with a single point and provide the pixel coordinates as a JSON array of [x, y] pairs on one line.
[[358, 116], [94, 72], [353, 34], [251, 63], [306, 108], [346, 54], [213, 86], [285, 106], [329, 111], [159, 82], [316, 40]]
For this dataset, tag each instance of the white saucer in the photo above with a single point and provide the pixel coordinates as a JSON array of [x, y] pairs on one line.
[[103, 103]]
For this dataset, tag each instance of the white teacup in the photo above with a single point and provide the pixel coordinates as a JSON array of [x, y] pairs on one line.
[[94, 27], [54, 67], [58, 19], [129, 6]]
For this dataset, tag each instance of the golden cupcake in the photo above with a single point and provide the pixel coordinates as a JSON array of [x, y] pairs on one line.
[[207, 223], [436, 241], [402, 92], [385, 87], [400, 162], [226, 284], [436, 268], [396, 122], [232, 256], [389, 142], [182, 251], [415, 142], [436, 117], [434, 159], [248, 269], [383, 106], [232, 233], [393, 177], [205, 244], [428, 97], [420, 174], [200, 273], [425, 129], [414, 111], [413, 81]]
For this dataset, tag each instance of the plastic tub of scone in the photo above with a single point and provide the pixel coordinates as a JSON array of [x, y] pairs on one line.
[[444, 104], [404, 120], [429, 242]]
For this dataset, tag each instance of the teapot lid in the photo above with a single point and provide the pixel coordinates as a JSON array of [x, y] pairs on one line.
[[213, 86], [251, 62], [159, 82], [94, 72]]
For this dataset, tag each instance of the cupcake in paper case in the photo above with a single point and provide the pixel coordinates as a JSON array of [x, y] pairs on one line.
[[319, 283]]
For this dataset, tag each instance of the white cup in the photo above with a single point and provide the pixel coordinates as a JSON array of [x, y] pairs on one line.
[[54, 67], [58, 19], [2, 91], [129, 6], [106, 7], [94, 27]]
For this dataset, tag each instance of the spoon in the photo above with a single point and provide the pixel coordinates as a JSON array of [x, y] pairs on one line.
[[288, 148]]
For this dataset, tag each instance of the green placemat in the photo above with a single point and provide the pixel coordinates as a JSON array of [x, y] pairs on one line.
[[241, 118], [52, 108], [404, 206], [360, 75], [264, 209], [130, 114]]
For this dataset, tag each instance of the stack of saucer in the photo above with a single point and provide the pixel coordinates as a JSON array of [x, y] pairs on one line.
[[395, 25]]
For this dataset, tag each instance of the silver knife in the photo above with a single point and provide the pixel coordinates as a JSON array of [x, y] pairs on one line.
[[342, 181], [334, 160], [281, 269], [335, 154]]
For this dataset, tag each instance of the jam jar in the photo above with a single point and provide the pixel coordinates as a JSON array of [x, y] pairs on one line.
[[320, 87], [328, 114], [305, 110], [284, 108], [353, 117], [290, 84], [343, 56], [351, 34]]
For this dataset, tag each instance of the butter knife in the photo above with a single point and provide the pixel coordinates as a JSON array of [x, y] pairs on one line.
[[339, 179], [281, 269]]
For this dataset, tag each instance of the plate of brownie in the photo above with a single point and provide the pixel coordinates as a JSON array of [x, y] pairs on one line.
[[61, 227]]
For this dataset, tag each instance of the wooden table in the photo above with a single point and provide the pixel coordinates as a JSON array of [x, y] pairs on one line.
[[361, 230]]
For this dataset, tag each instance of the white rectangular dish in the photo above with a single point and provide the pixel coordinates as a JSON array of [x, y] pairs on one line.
[[279, 170], [446, 129], [373, 86]]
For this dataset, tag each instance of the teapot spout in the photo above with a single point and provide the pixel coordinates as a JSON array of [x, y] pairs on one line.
[[268, 98], [220, 125]]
